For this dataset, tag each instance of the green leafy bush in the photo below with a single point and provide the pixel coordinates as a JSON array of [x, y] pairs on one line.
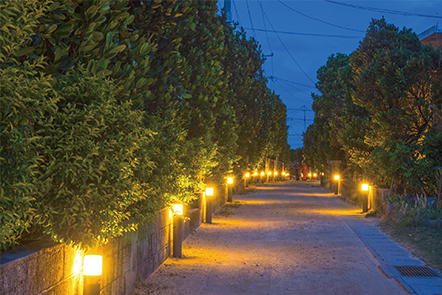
[[86, 182]]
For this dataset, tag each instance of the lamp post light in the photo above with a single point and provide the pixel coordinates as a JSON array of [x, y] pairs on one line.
[[365, 191], [229, 189], [337, 182], [275, 175], [246, 176], [315, 175], [178, 211], [254, 177], [262, 176], [209, 201], [92, 270]]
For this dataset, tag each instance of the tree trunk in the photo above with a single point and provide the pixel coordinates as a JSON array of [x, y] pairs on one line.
[[390, 193]]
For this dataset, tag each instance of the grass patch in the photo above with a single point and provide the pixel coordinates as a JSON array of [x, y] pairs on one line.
[[423, 242]]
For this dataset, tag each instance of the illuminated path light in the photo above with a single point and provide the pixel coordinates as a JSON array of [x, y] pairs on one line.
[[286, 238]]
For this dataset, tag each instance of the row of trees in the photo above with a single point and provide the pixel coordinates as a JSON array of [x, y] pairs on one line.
[[111, 110], [375, 112]]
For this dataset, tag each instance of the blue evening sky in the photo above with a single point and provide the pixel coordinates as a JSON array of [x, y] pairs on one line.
[[308, 32]]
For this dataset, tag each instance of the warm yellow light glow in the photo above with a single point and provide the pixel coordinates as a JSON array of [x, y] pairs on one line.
[[178, 209], [229, 180], [209, 191], [247, 175], [269, 173], [336, 176], [262, 173], [275, 173], [364, 187], [92, 265], [314, 174], [78, 259], [255, 174], [309, 175]]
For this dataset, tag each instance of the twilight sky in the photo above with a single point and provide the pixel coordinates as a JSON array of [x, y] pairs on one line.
[[308, 32]]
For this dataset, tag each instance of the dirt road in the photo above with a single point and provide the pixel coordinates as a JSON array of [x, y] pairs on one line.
[[286, 238]]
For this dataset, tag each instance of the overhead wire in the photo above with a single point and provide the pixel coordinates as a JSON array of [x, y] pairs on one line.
[[250, 18], [383, 10], [270, 46], [319, 20], [308, 34], [236, 11], [290, 92], [293, 82], [297, 89], [285, 47]]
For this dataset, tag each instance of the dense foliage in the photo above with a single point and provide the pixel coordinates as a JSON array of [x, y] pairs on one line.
[[374, 112], [111, 110]]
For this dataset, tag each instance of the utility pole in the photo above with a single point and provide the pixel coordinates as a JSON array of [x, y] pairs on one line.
[[304, 108], [228, 8], [271, 77]]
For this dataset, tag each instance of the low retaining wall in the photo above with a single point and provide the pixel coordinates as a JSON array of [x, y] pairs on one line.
[[48, 268], [351, 191]]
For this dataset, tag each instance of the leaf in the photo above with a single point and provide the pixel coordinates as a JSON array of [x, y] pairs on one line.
[[24, 51], [117, 49], [104, 73], [91, 11]]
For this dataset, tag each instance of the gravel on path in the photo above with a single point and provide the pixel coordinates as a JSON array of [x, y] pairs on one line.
[[284, 238]]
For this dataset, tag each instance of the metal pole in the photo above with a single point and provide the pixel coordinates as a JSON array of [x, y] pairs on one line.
[[177, 236], [91, 285], [365, 202], [209, 209]]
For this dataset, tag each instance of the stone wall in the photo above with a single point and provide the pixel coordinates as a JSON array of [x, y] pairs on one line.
[[47, 268], [351, 191]]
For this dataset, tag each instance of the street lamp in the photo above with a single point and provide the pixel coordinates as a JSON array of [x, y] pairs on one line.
[[229, 189], [209, 200], [336, 177], [92, 270], [365, 191], [178, 211], [246, 176]]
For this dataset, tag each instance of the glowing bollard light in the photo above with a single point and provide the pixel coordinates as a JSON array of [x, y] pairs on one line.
[[263, 174], [336, 178], [209, 200], [229, 189], [92, 271], [365, 188], [178, 226], [246, 177], [315, 175]]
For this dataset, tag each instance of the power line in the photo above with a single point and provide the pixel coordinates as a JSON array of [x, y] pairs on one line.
[[291, 85], [289, 91], [250, 18], [293, 82], [307, 34], [260, 4], [319, 20], [270, 47], [383, 10], [236, 11]]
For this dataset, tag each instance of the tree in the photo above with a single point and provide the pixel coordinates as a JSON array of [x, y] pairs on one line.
[[395, 80]]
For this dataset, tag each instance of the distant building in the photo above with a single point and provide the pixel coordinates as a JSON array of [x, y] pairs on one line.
[[432, 36]]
